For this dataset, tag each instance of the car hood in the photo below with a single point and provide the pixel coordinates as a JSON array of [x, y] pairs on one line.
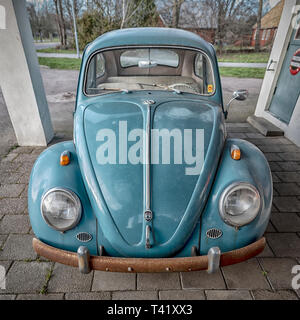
[[112, 159]]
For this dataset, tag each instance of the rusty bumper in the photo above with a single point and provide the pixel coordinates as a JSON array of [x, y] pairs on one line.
[[116, 264]]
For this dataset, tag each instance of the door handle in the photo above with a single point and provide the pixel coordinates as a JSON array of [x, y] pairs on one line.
[[270, 64]]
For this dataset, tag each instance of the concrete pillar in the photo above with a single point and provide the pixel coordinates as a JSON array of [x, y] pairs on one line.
[[20, 77]]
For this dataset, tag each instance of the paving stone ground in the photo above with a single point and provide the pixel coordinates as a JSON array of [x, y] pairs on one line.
[[267, 276]]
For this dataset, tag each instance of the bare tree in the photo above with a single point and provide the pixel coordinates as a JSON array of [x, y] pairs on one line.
[[225, 21], [136, 13], [231, 15], [41, 19], [171, 11], [110, 9], [176, 12], [129, 9], [195, 13], [63, 23], [258, 27], [60, 17]]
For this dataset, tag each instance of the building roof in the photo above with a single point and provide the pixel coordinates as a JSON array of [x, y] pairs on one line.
[[272, 18]]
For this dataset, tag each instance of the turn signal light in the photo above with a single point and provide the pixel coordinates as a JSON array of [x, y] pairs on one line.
[[235, 153], [65, 158]]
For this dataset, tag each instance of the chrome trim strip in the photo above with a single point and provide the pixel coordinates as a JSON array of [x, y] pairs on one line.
[[147, 185], [148, 159], [148, 244]]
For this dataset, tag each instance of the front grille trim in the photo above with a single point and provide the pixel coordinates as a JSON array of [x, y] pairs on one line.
[[214, 233], [84, 237]]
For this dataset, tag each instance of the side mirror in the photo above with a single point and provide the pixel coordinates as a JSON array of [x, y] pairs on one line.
[[239, 95]]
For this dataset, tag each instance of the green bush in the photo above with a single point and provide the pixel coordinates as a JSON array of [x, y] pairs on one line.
[[93, 24]]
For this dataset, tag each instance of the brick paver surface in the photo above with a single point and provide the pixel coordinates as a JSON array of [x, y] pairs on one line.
[[267, 276]]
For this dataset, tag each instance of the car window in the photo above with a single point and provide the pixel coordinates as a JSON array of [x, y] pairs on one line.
[[297, 35], [100, 65], [204, 72], [199, 65], [96, 70], [134, 69], [163, 57]]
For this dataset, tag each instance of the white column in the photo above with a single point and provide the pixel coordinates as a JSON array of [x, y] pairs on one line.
[[20, 77]]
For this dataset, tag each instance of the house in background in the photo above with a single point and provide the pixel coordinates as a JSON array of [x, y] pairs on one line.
[[205, 30], [269, 26], [206, 33]]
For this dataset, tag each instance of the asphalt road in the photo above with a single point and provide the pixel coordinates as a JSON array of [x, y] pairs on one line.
[[60, 86]]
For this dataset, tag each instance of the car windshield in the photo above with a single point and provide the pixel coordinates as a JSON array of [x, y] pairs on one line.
[[134, 69]]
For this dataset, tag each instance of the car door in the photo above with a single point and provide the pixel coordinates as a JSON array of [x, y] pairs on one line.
[[287, 90]]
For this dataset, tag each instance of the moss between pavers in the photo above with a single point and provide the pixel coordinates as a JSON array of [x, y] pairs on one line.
[[44, 289]]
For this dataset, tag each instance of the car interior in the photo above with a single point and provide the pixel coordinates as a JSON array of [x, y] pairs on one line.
[[132, 69]]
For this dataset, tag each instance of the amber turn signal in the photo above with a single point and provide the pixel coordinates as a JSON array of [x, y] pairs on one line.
[[65, 158], [235, 153]]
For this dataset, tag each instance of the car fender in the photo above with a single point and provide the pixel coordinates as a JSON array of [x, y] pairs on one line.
[[47, 173], [252, 168]]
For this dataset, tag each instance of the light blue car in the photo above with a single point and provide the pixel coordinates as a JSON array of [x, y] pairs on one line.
[[150, 183]]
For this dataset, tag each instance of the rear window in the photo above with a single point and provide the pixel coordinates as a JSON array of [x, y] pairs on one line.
[[161, 57]]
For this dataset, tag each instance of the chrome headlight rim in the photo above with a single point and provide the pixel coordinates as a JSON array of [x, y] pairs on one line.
[[74, 197], [231, 188]]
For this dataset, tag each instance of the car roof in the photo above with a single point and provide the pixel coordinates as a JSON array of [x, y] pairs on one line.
[[149, 36]]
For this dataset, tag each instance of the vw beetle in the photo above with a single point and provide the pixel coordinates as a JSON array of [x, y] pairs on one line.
[[151, 183]]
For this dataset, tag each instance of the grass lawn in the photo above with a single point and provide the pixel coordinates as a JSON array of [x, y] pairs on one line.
[[37, 40], [252, 57], [258, 73], [74, 64], [55, 50], [60, 63]]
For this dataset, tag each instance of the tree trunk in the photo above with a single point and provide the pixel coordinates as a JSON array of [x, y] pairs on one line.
[[59, 23], [259, 16], [220, 27], [124, 12], [176, 12], [63, 24]]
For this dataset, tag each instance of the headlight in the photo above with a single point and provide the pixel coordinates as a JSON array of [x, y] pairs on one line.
[[239, 204], [61, 209]]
